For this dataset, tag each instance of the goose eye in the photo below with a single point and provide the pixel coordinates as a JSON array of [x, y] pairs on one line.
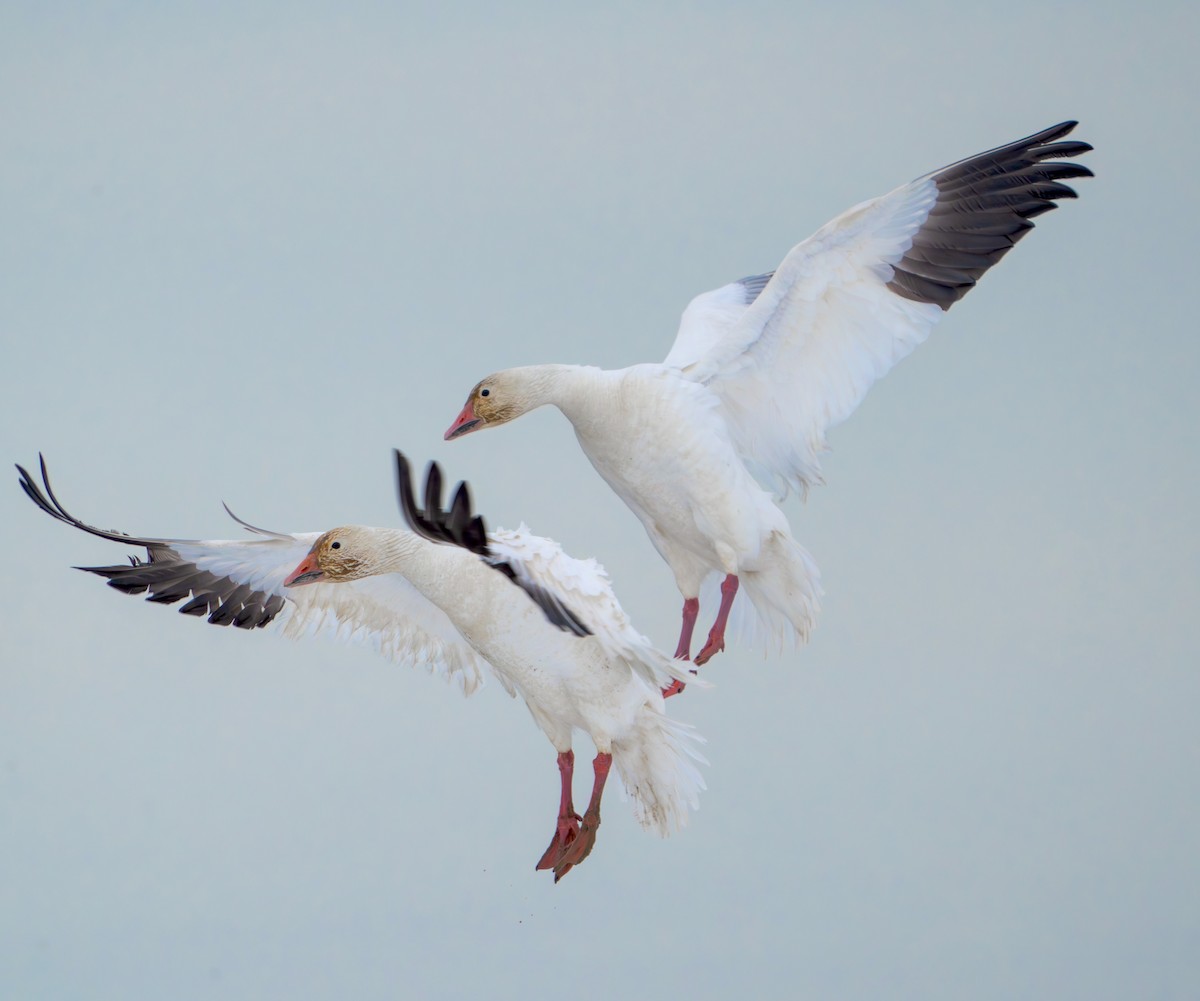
[[485, 392], [335, 545]]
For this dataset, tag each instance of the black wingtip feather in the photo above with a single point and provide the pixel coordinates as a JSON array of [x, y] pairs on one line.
[[433, 492], [408, 503], [199, 605], [984, 206], [458, 526], [455, 526], [163, 574]]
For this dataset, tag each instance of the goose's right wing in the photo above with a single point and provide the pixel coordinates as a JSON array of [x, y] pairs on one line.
[[584, 589], [240, 583]]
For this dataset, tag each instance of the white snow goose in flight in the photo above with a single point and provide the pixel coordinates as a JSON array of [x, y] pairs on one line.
[[763, 367], [453, 597]]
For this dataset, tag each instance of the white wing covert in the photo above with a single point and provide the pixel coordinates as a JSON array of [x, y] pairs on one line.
[[709, 319], [825, 328]]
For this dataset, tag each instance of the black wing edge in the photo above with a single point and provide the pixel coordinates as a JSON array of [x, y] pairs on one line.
[[164, 576], [458, 526], [985, 204]]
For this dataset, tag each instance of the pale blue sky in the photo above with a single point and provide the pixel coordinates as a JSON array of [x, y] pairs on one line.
[[245, 253]]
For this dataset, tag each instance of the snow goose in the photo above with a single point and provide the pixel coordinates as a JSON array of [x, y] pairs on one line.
[[443, 595], [763, 367]]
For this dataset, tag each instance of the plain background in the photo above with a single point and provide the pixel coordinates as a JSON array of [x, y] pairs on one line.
[[247, 249]]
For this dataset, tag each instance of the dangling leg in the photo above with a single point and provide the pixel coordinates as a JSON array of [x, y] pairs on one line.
[[691, 606], [581, 847], [716, 637], [568, 819]]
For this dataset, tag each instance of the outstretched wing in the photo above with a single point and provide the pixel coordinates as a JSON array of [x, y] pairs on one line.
[[457, 526], [709, 320], [585, 587], [240, 583], [794, 359]]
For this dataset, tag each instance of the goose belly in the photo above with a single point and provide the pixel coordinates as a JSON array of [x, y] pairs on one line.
[[693, 495]]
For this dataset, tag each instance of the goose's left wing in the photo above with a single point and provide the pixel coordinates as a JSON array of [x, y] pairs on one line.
[[457, 525], [795, 355]]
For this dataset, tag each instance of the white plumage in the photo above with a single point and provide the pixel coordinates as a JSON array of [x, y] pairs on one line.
[[451, 609], [763, 367], [800, 358]]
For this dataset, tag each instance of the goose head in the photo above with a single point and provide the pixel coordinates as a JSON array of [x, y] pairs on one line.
[[496, 400], [341, 554]]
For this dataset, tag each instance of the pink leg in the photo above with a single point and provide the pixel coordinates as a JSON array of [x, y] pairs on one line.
[[716, 637], [568, 819], [691, 606], [581, 847]]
